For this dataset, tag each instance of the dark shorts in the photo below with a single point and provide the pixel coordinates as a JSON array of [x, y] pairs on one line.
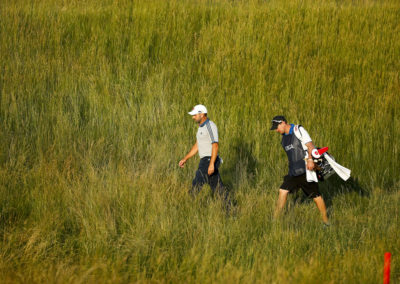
[[292, 184]]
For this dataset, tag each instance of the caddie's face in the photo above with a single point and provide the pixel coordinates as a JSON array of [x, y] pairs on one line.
[[197, 117], [281, 128]]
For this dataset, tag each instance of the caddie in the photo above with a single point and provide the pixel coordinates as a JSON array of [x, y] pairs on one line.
[[298, 146], [206, 145]]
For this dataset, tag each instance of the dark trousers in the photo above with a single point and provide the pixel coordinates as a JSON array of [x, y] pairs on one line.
[[213, 180]]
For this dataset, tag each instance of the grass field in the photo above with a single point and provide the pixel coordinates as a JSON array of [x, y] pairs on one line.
[[93, 122]]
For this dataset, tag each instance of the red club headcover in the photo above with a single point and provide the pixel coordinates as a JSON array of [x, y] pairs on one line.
[[323, 150]]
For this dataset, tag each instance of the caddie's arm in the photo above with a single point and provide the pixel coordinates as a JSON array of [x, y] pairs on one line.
[[214, 154], [310, 160], [191, 153]]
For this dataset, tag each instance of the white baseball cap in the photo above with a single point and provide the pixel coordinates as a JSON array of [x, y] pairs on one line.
[[198, 109]]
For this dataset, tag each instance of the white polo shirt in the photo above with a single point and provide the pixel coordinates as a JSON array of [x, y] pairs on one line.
[[207, 134]]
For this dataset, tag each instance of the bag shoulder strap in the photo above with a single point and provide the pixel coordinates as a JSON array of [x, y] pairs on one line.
[[297, 132]]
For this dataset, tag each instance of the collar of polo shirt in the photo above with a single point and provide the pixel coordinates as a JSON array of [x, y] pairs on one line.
[[204, 123]]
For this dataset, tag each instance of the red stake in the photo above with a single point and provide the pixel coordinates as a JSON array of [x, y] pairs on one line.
[[386, 268]]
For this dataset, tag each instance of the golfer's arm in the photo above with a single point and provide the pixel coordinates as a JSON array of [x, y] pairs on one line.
[[192, 152], [310, 147], [214, 153]]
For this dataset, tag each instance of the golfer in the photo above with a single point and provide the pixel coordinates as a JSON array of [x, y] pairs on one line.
[[207, 146], [298, 166]]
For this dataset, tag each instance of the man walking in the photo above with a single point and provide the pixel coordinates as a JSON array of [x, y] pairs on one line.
[[300, 161], [207, 146]]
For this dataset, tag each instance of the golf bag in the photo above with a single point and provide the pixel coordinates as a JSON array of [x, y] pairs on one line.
[[326, 165], [323, 167]]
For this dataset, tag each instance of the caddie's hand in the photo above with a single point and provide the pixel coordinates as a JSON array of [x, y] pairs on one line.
[[310, 164], [182, 163], [211, 169]]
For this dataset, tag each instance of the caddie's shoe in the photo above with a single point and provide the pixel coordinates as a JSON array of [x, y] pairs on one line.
[[326, 225]]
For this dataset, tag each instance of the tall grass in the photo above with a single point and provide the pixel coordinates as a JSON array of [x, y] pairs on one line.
[[93, 113]]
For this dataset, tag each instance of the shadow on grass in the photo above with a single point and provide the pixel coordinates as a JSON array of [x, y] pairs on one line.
[[335, 186], [241, 169], [332, 187]]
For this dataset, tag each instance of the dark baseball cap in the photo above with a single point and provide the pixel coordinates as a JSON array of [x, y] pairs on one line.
[[276, 121]]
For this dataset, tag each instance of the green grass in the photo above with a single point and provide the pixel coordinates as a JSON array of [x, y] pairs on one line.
[[93, 122]]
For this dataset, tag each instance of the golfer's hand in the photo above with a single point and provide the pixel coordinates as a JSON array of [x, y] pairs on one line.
[[310, 165], [182, 163], [211, 169]]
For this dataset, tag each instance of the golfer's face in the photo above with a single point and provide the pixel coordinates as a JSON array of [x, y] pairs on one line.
[[197, 117]]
